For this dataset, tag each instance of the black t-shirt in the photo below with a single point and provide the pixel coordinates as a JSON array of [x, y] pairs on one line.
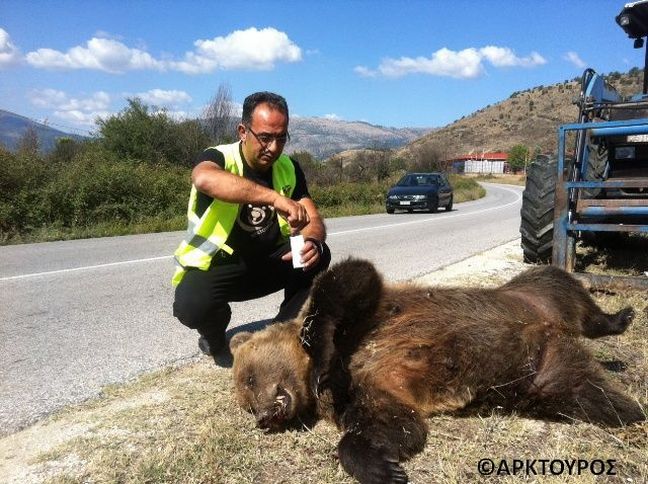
[[256, 231]]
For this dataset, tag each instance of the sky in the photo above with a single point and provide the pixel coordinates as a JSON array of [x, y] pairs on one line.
[[408, 63]]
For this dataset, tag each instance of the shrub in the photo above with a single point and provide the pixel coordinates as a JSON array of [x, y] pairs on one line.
[[22, 177], [94, 188], [347, 198]]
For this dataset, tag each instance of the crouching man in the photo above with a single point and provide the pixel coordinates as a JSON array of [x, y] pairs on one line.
[[246, 199]]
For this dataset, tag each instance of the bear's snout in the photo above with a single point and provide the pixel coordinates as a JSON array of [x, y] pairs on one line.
[[275, 417]]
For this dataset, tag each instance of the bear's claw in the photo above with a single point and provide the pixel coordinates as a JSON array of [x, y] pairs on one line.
[[319, 381], [397, 474], [384, 471]]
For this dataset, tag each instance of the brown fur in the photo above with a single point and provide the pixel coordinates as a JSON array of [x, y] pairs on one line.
[[271, 375], [378, 359]]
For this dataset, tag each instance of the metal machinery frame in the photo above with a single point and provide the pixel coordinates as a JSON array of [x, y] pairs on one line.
[[574, 211], [571, 208]]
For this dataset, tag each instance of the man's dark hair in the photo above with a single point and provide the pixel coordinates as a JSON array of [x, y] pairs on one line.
[[253, 100]]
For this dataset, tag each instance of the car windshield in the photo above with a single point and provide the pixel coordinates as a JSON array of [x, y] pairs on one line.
[[418, 180]]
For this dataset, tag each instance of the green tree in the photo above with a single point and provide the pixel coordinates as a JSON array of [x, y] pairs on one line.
[[191, 141], [65, 150], [139, 133], [309, 165], [518, 157]]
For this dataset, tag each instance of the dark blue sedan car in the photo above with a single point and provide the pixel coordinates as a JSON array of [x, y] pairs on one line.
[[420, 191]]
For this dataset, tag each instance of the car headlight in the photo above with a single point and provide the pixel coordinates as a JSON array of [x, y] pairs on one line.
[[392, 197], [419, 197]]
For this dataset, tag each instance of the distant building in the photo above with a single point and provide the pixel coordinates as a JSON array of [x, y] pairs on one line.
[[484, 162]]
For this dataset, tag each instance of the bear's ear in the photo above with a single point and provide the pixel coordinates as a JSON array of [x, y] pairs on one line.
[[238, 339]]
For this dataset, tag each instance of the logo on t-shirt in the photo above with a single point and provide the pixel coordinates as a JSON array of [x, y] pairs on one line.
[[256, 220]]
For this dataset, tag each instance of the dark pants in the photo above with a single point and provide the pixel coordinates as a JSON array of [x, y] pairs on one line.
[[202, 298]]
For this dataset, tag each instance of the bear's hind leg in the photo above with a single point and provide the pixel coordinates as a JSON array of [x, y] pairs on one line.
[[379, 433], [602, 324], [570, 383]]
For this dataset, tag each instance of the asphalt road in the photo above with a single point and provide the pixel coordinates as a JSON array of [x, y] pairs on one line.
[[78, 315]]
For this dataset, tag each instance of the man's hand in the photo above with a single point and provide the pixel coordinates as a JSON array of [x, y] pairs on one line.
[[310, 255], [315, 230], [294, 212]]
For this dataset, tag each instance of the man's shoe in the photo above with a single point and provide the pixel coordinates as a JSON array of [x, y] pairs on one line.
[[212, 346], [217, 348]]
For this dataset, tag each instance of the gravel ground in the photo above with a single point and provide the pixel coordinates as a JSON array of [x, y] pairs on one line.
[[488, 268]]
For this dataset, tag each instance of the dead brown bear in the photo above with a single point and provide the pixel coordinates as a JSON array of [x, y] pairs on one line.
[[377, 359]]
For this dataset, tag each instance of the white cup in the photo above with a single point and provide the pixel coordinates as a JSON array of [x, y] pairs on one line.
[[296, 245]]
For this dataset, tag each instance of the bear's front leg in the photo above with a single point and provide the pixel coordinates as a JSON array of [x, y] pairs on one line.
[[369, 465], [317, 340], [380, 432], [340, 312]]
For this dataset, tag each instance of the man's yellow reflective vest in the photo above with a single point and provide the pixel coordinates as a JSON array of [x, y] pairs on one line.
[[208, 233]]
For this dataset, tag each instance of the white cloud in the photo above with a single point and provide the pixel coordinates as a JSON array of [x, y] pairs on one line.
[[365, 71], [9, 53], [160, 97], [242, 49], [83, 111], [52, 98], [505, 57], [575, 59], [80, 118], [99, 54], [333, 116], [47, 98], [463, 64], [80, 111]]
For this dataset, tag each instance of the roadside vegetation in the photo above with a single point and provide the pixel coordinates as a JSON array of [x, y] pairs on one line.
[[145, 145], [134, 177]]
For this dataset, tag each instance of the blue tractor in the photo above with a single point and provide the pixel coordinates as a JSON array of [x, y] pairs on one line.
[[598, 182]]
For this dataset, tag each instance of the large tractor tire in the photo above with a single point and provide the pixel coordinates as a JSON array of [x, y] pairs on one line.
[[538, 210], [597, 156]]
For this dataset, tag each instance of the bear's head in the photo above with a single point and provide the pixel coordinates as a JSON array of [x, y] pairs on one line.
[[271, 376]]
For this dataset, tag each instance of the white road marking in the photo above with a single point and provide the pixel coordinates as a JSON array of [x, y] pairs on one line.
[[342, 232], [83, 268]]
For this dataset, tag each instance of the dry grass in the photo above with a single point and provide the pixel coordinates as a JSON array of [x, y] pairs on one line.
[[506, 178], [181, 425]]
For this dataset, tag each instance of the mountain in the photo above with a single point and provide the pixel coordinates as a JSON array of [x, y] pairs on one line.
[[529, 117], [14, 126], [323, 137]]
